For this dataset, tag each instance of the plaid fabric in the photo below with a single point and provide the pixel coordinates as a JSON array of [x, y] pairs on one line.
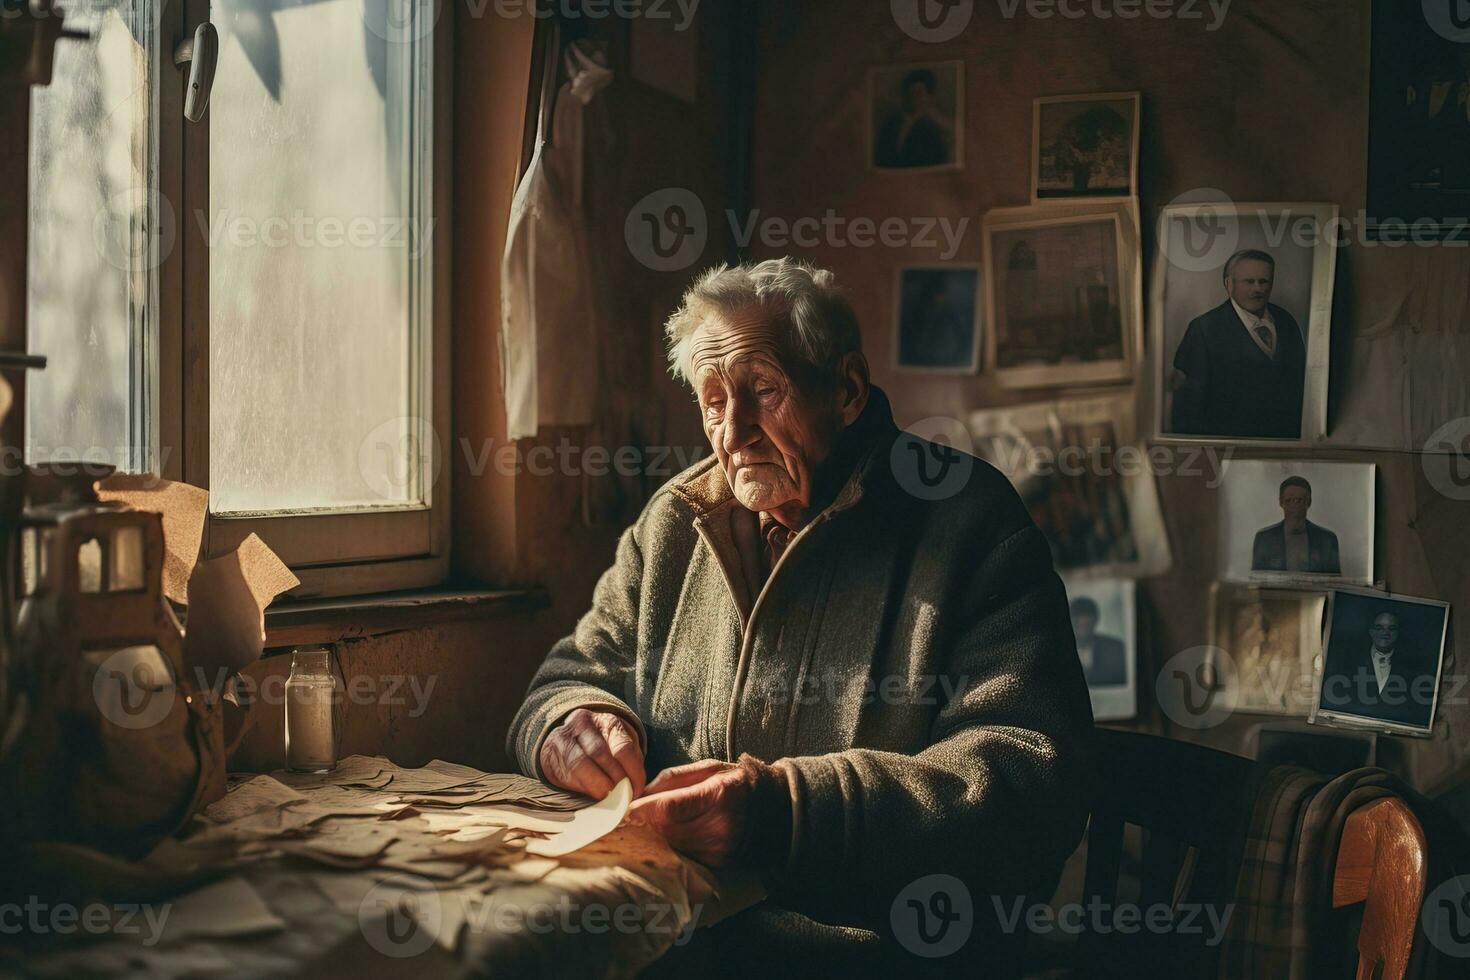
[[1280, 929]]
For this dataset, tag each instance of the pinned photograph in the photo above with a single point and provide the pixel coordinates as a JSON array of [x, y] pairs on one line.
[[1085, 146], [916, 116], [1073, 462], [1242, 315], [1273, 638], [1284, 520], [1107, 642], [1383, 659], [1063, 294], [938, 316]]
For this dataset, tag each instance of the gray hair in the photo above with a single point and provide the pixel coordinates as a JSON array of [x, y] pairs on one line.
[[1254, 254], [819, 324]]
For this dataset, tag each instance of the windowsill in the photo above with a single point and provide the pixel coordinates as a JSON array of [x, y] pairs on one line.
[[309, 621]]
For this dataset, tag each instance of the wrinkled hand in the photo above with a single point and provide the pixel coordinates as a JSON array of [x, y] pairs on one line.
[[699, 808], [590, 752]]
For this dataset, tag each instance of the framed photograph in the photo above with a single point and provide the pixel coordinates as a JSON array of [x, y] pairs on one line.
[[1086, 483], [1063, 294], [1107, 643], [1242, 311], [937, 320], [1382, 660], [1301, 521], [916, 117], [1085, 146], [1272, 638], [1418, 129]]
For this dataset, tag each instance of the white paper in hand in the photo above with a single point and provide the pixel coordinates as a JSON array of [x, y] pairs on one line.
[[587, 825]]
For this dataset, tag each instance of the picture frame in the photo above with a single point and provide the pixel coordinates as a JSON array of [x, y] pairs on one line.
[[1189, 292], [1329, 504], [1273, 640], [935, 142], [955, 352], [1074, 137], [1063, 294], [1110, 659], [1348, 693]]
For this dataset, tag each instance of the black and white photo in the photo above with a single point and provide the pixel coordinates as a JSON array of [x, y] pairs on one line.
[[938, 319], [1062, 294], [1242, 307], [1272, 637], [1305, 520], [1085, 146], [917, 116], [1103, 622], [1382, 662]]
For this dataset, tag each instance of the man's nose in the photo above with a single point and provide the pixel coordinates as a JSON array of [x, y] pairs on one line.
[[741, 428]]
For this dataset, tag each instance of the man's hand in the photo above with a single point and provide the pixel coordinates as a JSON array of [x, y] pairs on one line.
[[590, 752], [699, 808]]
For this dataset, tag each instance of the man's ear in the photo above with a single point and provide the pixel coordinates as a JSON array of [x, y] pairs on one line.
[[852, 387]]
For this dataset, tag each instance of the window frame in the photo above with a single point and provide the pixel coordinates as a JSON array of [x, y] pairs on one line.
[[332, 554]]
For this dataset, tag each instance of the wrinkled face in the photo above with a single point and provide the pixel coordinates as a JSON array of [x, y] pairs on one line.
[[1295, 502], [1250, 285], [1385, 632], [767, 433]]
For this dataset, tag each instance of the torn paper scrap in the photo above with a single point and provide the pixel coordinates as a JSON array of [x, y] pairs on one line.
[[227, 597], [226, 908], [257, 793], [184, 509], [587, 824]]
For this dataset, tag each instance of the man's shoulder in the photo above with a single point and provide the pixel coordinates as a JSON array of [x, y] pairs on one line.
[[1318, 529], [1215, 318], [949, 489], [1269, 530]]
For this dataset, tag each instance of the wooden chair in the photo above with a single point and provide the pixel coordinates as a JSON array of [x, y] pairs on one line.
[[1381, 863], [1192, 805]]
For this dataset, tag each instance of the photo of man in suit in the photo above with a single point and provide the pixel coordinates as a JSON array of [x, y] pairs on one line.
[[1104, 658], [1380, 679], [1295, 544], [914, 136], [1240, 370]]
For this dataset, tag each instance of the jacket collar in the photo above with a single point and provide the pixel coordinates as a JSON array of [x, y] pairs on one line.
[[856, 460]]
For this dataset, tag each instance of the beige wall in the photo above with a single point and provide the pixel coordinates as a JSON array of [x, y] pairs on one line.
[[1272, 106]]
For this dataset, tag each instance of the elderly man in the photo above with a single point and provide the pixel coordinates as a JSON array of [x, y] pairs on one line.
[[841, 649]]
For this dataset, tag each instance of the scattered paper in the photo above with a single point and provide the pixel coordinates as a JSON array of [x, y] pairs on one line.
[[223, 909], [255, 794]]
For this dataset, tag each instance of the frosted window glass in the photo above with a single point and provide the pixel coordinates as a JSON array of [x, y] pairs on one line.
[[90, 264], [318, 245]]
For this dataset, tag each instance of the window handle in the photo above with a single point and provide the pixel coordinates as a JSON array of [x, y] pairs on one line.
[[201, 52]]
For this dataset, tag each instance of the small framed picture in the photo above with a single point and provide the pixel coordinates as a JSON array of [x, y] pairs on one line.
[[1273, 638], [1107, 642], [916, 117], [1242, 312], [1085, 147], [1382, 661], [938, 319], [1072, 461], [1301, 521], [1063, 294]]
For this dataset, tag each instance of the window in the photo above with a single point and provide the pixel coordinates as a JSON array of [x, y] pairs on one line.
[[252, 303]]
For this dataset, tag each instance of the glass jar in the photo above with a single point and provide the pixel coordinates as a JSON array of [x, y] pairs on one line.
[[311, 701]]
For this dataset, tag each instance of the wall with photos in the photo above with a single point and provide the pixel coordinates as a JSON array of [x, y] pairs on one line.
[[1268, 103]]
